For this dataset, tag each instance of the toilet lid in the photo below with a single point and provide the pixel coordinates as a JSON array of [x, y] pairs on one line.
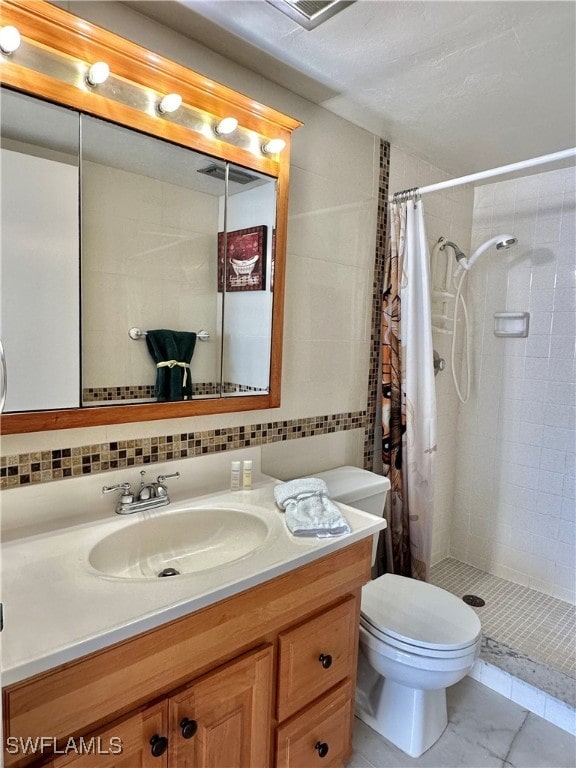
[[416, 612]]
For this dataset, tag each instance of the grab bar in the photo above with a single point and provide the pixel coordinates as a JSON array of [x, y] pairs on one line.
[[136, 333], [3, 378]]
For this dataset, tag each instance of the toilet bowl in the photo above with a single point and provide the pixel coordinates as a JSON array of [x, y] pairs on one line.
[[415, 639]]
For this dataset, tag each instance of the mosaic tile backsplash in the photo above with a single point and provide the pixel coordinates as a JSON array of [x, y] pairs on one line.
[[43, 466]]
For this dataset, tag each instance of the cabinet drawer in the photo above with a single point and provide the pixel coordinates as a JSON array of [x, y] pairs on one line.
[[320, 736], [316, 655]]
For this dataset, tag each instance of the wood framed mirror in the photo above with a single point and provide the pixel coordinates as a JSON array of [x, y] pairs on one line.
[[129, 146]]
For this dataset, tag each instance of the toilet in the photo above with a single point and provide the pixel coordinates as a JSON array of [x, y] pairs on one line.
[[415, 639]]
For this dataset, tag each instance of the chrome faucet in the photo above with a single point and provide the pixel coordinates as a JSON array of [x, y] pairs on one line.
[[148, 496]]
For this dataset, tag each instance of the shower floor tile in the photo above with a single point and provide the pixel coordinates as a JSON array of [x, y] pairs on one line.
[[536, 625]]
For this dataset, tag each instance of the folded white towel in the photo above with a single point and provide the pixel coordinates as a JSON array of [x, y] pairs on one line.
[[309, 510]]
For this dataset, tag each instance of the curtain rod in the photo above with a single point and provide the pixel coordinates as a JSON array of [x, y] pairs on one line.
[[407, 194]]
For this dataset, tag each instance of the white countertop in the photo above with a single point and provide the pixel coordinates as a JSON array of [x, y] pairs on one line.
[[57, 607]]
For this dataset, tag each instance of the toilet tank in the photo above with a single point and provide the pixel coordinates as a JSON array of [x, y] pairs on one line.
[[360, 489]]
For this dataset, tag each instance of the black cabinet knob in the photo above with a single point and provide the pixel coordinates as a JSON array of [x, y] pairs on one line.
[[159, 745], [189, 727], [326, 660], [322, 748]]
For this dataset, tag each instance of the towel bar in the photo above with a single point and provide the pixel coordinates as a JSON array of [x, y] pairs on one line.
[[136, 333]]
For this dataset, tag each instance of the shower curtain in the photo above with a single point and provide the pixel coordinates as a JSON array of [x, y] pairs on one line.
[[408, 393]]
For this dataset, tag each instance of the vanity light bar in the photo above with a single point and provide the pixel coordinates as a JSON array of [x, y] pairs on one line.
[[225, 126], [169, 103], [9, 39], [98, 73], [273, 146]]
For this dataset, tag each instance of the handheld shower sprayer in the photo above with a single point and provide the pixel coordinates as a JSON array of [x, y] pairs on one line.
[[458, 278], [500, 241]]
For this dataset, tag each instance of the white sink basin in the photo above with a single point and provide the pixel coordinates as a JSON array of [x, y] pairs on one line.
[[187, 542]]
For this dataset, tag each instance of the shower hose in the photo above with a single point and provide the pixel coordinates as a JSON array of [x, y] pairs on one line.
[[459, 281]]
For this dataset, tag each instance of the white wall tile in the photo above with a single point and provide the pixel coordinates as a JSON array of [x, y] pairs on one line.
[[498, 680], [560, 714], [529, 697], [528, 413]]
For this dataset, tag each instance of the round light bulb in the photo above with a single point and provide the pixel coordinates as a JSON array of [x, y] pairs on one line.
[[273, 146], [98, 73], [9, 39], [170, 103], [226, 125]]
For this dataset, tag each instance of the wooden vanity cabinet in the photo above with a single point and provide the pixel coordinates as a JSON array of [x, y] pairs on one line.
[[263, 679], [221, 720]]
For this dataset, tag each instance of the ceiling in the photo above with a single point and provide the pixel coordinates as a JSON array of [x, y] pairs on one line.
[[466, 85]]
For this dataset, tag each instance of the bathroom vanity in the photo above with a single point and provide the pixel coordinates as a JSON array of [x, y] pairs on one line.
[[248, 664]]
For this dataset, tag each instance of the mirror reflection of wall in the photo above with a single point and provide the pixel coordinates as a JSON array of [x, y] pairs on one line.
[[39, 316], [149, 238], [248, 313]]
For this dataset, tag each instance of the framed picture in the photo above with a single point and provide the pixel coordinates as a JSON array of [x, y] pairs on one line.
[[245, 260]]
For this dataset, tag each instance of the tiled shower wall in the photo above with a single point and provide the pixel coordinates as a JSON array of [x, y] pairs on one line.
[[514, 502], [447, 213]]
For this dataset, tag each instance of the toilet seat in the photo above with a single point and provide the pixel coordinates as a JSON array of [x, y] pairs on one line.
[[417, 617], [408, 647]]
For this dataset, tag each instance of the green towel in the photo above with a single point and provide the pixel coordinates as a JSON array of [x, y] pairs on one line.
[[172, 352]]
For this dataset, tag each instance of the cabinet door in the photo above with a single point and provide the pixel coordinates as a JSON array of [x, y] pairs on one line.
[[224, 719], [139, 741]]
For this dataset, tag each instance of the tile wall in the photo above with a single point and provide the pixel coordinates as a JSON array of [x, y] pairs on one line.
[[514, 502]]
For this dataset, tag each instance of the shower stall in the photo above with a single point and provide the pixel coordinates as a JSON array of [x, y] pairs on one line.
[[505, 504]]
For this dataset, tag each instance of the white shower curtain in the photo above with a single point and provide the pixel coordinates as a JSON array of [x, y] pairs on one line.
[[410, 317]]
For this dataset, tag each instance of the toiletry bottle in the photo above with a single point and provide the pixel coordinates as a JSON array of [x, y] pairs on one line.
[[235, 476], [247, 475]]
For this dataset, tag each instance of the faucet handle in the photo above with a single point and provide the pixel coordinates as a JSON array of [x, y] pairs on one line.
[[119, 487], [162, 478]]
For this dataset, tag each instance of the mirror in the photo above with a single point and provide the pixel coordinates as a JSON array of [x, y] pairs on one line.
[[156, 220], [210, 258], [154, 216]]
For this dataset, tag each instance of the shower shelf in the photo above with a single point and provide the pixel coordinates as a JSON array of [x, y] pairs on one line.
[[511, 324]]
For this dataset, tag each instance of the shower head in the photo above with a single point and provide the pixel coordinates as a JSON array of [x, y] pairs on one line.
[[500, 241], [506, 242], [458, 253]]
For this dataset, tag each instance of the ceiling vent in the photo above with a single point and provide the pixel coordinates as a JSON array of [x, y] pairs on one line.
[[310, 13], [219, 172]]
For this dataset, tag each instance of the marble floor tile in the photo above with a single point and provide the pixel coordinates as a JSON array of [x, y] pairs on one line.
[[539, 745], [485, 730]]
